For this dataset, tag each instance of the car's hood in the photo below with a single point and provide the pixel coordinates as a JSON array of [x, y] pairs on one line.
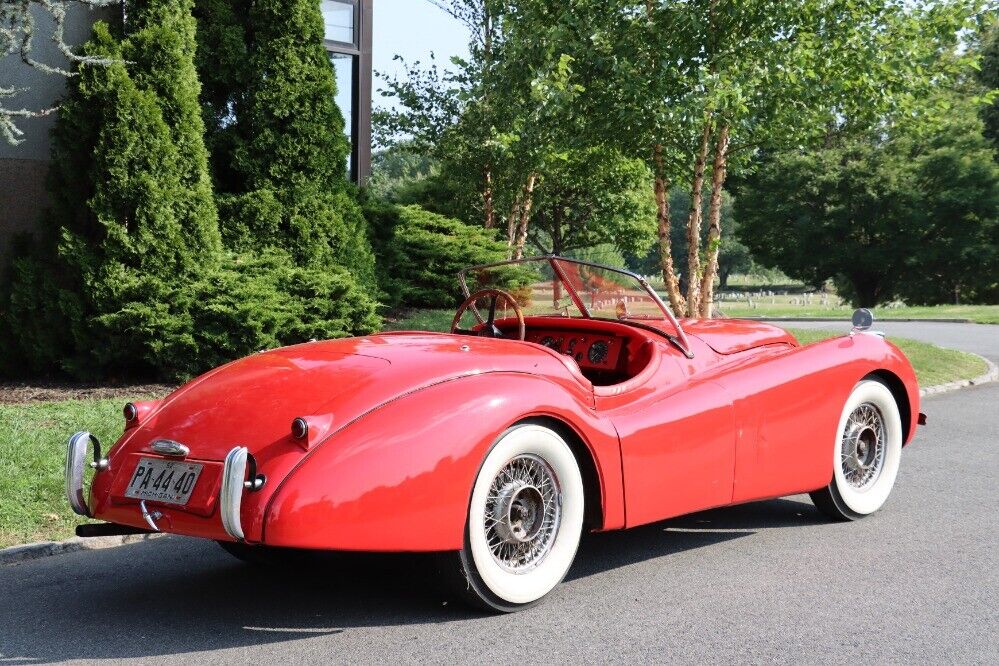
[[730, 336]]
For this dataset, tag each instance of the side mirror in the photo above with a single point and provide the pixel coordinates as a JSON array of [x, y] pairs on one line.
[[862, 319]]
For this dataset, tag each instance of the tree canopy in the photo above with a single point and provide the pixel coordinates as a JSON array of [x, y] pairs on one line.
[[887, 213]]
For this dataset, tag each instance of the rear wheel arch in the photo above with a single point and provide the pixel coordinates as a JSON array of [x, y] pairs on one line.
[[592, 487], [897, 388]]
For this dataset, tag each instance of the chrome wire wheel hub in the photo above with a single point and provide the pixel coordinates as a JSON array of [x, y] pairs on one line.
[[862, 452], [523, 512]]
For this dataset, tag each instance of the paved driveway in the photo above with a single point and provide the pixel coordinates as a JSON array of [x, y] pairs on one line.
[[765, 582]]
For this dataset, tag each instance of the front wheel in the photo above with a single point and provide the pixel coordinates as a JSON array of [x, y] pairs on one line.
[[866, 454], [524, 522]]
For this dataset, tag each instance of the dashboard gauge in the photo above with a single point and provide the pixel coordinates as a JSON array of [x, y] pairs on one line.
[[551, 343], [598, 352]]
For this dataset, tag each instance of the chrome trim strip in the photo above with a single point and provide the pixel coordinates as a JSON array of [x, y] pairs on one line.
[[76, 453], [231, 494]]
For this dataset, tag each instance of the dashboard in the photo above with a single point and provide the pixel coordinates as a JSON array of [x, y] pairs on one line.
[[597, 351]]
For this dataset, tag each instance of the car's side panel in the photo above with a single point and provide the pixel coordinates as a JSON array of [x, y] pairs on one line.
[[400, 478], [789, 405], [678, 452]]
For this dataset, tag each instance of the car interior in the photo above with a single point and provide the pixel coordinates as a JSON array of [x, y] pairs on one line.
[[606, 353]]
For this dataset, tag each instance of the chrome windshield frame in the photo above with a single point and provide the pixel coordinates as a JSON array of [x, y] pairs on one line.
[[553, 261]]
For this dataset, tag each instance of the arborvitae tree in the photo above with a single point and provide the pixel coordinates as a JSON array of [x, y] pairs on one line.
[[133, 219], [293, 156], [222, 60]]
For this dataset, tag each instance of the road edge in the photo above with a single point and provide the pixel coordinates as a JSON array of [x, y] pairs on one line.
[[34, 551], [991, 375]]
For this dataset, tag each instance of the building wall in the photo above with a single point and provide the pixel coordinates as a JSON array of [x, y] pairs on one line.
[[23, 167]]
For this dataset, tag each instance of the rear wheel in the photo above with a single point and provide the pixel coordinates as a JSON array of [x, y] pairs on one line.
[[524, 522], [866, 454]]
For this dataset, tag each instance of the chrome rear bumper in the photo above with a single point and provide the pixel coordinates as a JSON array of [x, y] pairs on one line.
[[76, 454], [231, 494]]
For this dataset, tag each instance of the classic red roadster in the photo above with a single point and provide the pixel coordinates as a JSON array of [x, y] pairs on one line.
[[576, 402]]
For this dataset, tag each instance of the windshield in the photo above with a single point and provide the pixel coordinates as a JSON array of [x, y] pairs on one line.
[[556, 286]]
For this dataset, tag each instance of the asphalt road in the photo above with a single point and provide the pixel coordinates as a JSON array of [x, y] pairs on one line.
[[766, 582]]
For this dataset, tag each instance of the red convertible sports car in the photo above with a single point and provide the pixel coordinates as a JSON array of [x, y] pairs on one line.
[[576, 402]]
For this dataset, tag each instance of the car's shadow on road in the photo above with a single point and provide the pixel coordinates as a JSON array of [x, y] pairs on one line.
[[176, 596]]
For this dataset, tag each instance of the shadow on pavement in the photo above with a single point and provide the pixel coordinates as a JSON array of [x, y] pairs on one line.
[[175, 595]]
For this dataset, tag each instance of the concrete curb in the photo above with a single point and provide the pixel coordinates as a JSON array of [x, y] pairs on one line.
[[34, 551], [990, 376]]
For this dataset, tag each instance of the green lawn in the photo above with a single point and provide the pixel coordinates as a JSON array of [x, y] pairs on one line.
[[33, 435], [32, 450]]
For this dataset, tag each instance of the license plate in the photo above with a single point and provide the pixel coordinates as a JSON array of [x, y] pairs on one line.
[[168, 481]]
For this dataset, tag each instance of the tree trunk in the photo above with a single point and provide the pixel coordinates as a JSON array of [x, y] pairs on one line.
[[525, 216], [670, 280], [694, 225], [511, 225], [723, 276], [487, 199], [718, 172]]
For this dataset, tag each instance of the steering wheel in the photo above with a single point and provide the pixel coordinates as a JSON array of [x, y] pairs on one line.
[[489, 328]]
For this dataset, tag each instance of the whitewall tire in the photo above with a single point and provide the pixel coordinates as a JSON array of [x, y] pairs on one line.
[[524, 523], [866, 454]]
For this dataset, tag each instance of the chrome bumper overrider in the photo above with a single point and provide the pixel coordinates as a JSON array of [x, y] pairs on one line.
[[76, 454], [231, 494]]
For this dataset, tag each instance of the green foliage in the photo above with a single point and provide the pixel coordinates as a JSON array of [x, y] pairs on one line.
[[130, 278], [132, 215], [734, 257], [259, 301], [988, 76], [592, 197], [223, 64], [420, 253], [278, 137], [890, 213], [295, 132]]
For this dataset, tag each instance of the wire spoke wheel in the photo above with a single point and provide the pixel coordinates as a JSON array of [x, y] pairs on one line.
[[525, 518], [523, 512], [862, 450], [866, 453]]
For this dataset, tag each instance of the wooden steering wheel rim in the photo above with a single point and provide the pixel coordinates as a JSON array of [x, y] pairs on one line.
[[496, 294]]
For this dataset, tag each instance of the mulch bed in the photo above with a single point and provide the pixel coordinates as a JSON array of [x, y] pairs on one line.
[[14, 393]]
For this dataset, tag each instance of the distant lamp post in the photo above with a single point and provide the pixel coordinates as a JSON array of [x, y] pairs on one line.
[[348, 41]]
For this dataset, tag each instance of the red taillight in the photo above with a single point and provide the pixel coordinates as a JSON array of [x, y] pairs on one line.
[[136, 412]]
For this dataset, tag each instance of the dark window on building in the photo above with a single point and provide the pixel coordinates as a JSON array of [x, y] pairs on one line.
[[348, 40]]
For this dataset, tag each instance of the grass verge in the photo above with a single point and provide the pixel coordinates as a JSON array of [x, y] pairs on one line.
[[32, 451]]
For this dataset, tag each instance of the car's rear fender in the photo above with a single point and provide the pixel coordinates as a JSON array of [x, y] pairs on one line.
[[400, 477]]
